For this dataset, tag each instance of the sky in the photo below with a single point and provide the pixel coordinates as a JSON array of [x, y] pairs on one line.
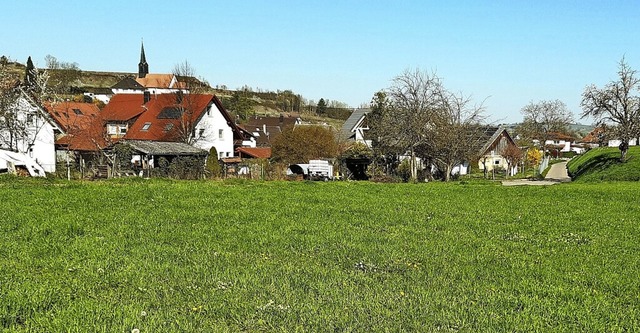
[[504, 54]]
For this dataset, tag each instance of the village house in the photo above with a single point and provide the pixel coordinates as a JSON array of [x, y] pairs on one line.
[[196, 119], [266, 129], [31, 132], [492, 141], [355, 127]]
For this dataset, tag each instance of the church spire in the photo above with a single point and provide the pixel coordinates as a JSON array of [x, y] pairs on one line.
[[143, 67]]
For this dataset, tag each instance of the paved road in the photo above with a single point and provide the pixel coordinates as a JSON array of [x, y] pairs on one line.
[[557, 174]]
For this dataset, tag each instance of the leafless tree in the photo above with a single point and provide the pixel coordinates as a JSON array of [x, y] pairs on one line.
[[187, 102], [618, 104], [414, 98], [455, 133], [418, 116], [21, 109], [513, 155], [544, 117]]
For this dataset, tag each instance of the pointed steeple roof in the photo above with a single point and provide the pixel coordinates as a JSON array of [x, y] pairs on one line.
[[143, 67]]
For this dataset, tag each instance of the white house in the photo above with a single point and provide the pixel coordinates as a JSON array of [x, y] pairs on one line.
[[197, 118], [34, 132]]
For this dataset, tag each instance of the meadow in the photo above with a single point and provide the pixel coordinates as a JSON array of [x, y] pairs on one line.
[[196, 256]]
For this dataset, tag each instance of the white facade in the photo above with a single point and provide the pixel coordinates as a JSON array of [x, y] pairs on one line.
[[213, 131], [39, 139], [616, 143]]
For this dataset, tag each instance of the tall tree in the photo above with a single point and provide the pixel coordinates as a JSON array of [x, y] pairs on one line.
[[618, 104], [545, 117]]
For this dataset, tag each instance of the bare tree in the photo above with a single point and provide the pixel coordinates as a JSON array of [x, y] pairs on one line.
[[616, 104], [455, 133], [418, 116], [413, 98], [21, 110], [187, 104], [513, 155], [545, 117]]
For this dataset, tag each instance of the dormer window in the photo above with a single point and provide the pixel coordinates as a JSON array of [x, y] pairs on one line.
[[146, 126], [77, 111]]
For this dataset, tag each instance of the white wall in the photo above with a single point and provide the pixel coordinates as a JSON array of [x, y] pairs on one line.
[[211, 123], [39, 143]]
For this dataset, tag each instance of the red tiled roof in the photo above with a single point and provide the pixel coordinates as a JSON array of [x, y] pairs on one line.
[[164, 118], [72, 115], [254, 152], [124, 107], [89, 137]]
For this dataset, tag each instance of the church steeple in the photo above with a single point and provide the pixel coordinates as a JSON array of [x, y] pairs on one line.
[[143, 67]]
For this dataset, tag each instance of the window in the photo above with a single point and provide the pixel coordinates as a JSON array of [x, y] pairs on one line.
[[31, 118], [112, 129], [77, 111], [221, 154], [201, 132], [146, 126], [220, 134], [497, 162], [168, 127], [117, 129]]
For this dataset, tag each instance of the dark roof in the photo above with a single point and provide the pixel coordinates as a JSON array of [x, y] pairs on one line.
[[488, 136], [165, 148], [281, 121], [128, 83], [352, 121]]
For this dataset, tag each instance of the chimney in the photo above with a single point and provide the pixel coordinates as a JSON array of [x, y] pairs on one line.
[[147, 97]]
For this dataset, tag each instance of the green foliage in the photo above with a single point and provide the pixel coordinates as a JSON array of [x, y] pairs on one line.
[[175, 256], [603, 164], [186, 167], [299, 144], [212, 166], [321, 108], [239, 104]]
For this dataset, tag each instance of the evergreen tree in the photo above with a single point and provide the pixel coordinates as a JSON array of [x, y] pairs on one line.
[[321, 108], [213, 166]]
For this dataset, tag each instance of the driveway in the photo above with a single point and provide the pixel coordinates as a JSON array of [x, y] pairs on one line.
[[557, 174]]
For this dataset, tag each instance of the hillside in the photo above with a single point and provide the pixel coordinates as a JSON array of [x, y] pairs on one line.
[[602, 164]]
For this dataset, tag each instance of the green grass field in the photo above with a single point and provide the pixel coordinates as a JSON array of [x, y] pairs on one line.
[[169, 256]]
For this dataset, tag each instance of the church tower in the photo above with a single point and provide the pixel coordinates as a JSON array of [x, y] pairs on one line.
[[143, 67]]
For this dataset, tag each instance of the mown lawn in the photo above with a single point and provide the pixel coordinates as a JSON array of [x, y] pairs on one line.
[[168, 256]]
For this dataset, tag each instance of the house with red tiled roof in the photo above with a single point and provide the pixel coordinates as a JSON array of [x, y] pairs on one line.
[[82, 124], [196, 119]]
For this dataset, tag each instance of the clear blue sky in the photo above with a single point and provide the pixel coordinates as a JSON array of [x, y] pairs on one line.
[[507, 52]]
